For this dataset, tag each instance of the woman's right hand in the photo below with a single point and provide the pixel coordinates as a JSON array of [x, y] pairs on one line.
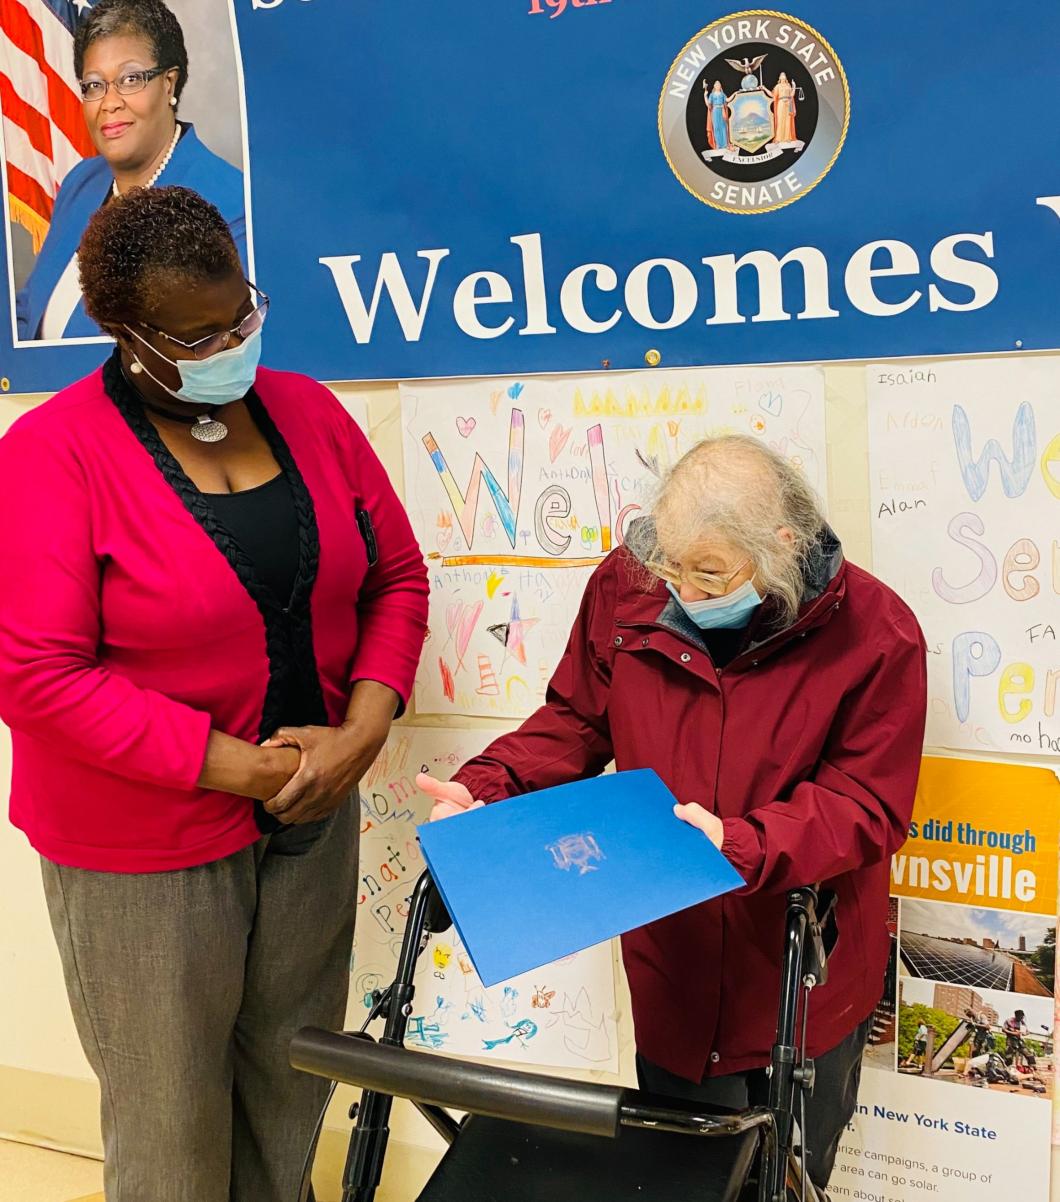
[[450, 797], [277, 766], [247, 769]]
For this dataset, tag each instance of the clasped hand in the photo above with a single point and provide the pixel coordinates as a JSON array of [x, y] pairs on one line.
[[332, 760]]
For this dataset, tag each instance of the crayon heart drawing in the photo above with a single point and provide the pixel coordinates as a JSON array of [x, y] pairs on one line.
[[557, 440], [465, 426], [461, 620]]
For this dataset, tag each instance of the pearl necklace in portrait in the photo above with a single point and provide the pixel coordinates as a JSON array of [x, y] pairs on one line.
[[161, 166]]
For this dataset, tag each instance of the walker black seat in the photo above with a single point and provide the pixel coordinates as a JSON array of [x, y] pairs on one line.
[[498, 1161], [529, 1137]]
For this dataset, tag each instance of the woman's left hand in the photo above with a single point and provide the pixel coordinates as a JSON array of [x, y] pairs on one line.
[[333, 760], [710, 824]]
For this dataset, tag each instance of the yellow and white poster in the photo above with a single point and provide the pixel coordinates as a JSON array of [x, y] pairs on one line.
[[958, 1081]]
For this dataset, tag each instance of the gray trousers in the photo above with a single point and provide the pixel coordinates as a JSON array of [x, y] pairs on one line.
[[186, 988]]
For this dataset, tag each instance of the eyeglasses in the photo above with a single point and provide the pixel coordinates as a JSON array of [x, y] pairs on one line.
[[714, 583], [203, 348], [127, 84]]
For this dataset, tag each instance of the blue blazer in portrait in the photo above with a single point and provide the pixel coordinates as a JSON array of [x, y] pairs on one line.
[[85, 188]]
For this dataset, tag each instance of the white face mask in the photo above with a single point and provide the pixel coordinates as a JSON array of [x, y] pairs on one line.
[[220, 380]]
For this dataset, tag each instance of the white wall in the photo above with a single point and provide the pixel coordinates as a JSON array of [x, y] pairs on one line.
[[36, 1031]]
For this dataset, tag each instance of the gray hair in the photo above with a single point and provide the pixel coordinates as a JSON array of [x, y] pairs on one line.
[[738, 488]]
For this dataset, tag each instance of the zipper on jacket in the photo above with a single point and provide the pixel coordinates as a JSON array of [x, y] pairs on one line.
[[789, 632], [793, 631]]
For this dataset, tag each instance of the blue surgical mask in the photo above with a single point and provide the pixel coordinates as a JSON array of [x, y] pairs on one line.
[[223, 378], [730, 612]]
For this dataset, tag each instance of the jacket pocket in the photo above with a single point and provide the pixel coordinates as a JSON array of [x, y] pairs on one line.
[[364, 525]]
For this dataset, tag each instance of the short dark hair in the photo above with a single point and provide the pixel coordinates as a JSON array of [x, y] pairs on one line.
[[148, 240], [150, 19]]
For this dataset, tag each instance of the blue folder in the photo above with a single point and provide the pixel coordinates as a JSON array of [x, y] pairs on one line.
[[543, 875]]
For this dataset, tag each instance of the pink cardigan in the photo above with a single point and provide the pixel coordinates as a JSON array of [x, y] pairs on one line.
[[125, 634]]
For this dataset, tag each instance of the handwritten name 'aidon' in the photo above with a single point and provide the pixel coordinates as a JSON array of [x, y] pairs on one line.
[[662, 294]]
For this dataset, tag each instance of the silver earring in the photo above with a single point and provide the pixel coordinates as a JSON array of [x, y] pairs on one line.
[[136, 367]]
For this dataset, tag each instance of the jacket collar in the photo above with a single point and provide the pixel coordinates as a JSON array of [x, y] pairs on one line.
[[187, 147], [823, 589]]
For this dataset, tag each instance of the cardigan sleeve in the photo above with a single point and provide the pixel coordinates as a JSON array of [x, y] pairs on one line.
[[52, 685], [392, 605]]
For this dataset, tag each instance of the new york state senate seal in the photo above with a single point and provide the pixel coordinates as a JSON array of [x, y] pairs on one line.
[[754, 111]]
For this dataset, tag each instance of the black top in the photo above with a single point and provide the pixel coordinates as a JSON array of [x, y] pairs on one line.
[[724, 645], [293, 695], [264, 523]]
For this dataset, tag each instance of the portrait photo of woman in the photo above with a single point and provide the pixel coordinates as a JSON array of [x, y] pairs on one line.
[[114, 115]]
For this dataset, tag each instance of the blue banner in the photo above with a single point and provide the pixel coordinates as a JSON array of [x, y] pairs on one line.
[[559, 185]]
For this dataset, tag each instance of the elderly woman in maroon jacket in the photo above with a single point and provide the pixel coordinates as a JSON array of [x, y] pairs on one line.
[[780, 692]]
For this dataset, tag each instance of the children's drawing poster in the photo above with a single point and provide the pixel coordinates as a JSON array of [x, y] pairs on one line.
[[965, 488], [517, 489], [563, 1015]]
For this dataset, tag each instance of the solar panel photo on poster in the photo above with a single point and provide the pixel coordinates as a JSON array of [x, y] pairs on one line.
[[938, 960]]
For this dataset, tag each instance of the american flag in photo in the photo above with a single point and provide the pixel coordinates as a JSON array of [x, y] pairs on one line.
[[43, 131]]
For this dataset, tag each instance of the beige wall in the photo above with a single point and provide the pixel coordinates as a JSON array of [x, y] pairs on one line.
[[46, 1092]]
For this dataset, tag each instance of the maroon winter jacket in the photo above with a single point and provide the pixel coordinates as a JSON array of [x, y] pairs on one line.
[[807, 744]]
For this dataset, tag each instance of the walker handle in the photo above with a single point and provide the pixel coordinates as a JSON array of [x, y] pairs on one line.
[[499, 1093]]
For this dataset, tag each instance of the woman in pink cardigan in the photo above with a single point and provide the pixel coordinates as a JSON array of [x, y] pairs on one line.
[[211, 609]]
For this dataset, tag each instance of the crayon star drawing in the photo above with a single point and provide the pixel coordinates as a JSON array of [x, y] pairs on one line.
[[511, 634]]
